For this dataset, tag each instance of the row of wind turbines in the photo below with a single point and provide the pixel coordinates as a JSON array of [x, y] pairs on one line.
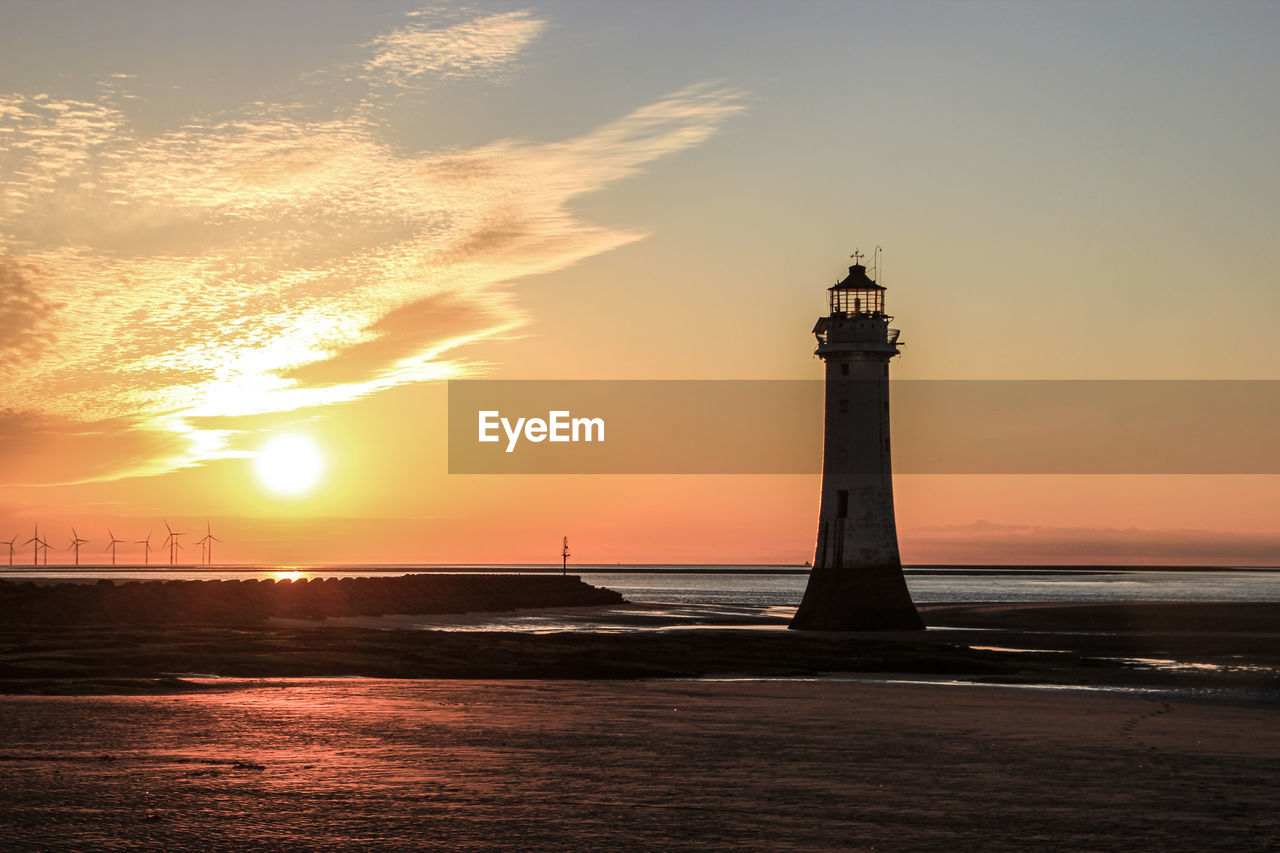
[[170, 542]]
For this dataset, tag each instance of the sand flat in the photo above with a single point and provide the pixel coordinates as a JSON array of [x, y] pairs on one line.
[[1082, 737], [764, 765]]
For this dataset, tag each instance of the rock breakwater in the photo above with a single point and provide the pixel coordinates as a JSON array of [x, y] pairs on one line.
[[252, 601]]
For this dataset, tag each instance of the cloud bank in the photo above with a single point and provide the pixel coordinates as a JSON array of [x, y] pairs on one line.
[[283, 256], [1017, 544]]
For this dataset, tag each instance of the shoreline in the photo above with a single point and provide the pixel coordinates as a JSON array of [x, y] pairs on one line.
[[1213, 647], [26, 571]]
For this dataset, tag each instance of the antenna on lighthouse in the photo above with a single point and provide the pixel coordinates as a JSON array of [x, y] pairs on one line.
[[875, 266]]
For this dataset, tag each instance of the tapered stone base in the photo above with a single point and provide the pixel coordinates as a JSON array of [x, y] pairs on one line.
[[861, 599]]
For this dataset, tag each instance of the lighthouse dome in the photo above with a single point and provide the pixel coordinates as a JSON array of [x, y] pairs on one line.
[[857, 279]]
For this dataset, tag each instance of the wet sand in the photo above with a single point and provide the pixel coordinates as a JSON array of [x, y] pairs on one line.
[[607, 765], [1177, 646], [1132, 727]]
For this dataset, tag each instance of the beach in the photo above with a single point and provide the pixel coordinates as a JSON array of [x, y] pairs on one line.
[[679, 765], [1080, 725]]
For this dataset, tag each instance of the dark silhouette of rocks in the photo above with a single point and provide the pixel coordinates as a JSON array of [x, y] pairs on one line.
[[239, 602]]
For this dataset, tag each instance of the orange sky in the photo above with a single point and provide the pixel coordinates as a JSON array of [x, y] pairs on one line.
[[210, 238]]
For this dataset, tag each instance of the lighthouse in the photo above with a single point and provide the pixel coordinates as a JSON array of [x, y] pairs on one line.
[[856, 583]]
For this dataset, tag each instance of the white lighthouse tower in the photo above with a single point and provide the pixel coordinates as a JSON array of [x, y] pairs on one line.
[[856, 583]]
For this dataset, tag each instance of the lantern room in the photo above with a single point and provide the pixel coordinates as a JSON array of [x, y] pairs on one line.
[[856, 294]]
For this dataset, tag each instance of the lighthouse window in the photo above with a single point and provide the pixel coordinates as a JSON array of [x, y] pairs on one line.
[[842, 504], [844, 406], [844, 369]]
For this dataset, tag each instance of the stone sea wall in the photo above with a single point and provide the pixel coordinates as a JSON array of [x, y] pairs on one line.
[[234, 602]]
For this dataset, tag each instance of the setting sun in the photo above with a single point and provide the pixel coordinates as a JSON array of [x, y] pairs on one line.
[[289, 464]]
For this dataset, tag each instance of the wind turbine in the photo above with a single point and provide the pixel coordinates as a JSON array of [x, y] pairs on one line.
[[111, 546], [35, 548], [146, 549], [172, 541], [76, 542], [10, 544], [206, 544]]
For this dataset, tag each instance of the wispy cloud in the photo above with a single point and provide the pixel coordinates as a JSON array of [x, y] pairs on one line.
[[26, 318], [270, 260], [486, 45]]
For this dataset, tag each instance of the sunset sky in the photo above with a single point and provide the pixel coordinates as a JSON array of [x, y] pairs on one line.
[[224, 223]]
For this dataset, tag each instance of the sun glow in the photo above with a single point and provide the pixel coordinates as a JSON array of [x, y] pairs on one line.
[[289, 464]]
